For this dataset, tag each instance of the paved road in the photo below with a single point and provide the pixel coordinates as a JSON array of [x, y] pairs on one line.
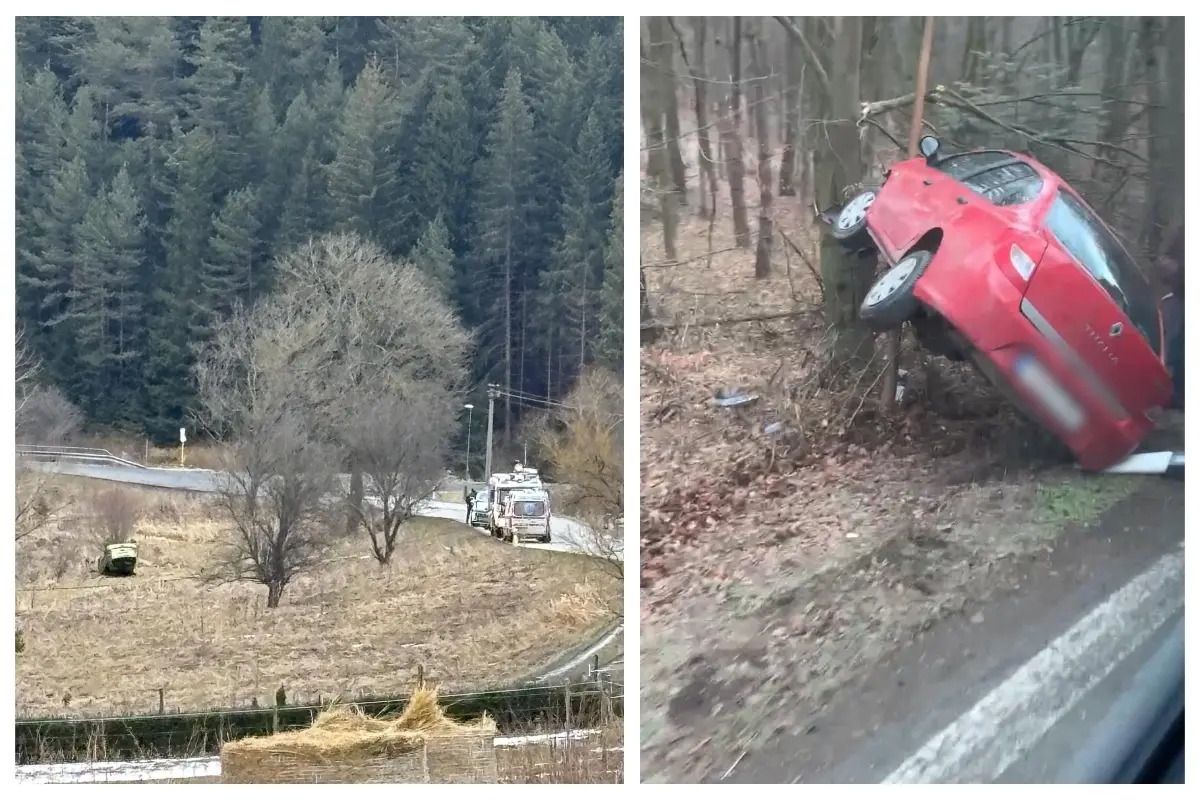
[[1004, 692], [568, 535]]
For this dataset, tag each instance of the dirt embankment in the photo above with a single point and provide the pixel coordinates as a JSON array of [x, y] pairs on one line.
[[790, 543]]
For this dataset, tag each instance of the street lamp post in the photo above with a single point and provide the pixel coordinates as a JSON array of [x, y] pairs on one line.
[[469, 409]]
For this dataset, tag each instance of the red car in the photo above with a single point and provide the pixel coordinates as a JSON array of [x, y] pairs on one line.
[[994, 258]]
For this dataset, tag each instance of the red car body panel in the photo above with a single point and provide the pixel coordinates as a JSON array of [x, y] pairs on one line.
[[1061, 316]]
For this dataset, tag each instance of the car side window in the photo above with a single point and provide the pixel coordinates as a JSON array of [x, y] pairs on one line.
[[1008, 185], [958, 167], [995, 176]]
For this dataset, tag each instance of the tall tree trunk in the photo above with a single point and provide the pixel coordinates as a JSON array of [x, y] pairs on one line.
[[735, 163], [793, 72], [508, 331], [758, 59], [653, 120], [696, 66], [1114, 112], [1157, 209], [354, 499], [1173, 146], [524, 326], [1080, 36], [661, 52], [846, 277], [583, 309], [550, 362], [648, 335], [274, 593]]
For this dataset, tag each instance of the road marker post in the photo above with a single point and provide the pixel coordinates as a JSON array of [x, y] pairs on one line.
[[182, 442]]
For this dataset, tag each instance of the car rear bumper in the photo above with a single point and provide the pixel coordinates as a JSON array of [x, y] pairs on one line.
[[1083, 417]]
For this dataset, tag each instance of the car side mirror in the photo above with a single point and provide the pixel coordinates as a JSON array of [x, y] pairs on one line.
[[929, 146]]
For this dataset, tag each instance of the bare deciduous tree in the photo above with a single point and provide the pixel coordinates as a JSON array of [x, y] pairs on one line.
[[400, 443], [356, 359], [42, 416], [583, 441], [732, 134], [279, 470], [113, 515], [375, 325], [696, 68], [758, 66]]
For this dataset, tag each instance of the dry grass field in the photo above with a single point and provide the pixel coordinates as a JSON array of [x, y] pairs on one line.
[[471, 610]]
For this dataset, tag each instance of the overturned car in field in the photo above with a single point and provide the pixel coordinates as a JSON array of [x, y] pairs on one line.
[[995, 259]]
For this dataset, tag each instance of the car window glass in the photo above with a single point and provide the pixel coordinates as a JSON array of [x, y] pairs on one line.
[[1008, 185], [958, 167], [1097, 250]]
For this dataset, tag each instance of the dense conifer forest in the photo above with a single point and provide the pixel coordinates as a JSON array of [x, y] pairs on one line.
[[163, 163]]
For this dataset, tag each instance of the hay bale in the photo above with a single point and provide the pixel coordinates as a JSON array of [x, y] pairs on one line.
[[344, 745]]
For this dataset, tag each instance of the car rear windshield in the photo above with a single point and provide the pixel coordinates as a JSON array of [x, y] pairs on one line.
[[996, 176], [1095, 247], [526, 508]]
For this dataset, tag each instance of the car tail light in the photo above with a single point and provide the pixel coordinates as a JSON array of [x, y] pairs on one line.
[[1021, 262]]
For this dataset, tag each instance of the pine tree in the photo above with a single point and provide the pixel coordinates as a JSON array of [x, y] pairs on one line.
[[433, 256], [41, 121], [261, 138], [81, 132], [503, 209], [220, 98], [291, 58], [363, 173], [132, 64], [190, 175], [305, 211], [436, 173], [194, 178], [46, 261], [285, 163], [230, 271], [217, 90], [106, 300], [609, 345], [230, 143], [580, 255]]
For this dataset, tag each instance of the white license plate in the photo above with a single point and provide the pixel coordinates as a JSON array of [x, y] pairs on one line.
[[1038, 381]]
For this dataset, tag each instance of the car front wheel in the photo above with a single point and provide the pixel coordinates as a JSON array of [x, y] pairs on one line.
[[850, 225], [890, 301]]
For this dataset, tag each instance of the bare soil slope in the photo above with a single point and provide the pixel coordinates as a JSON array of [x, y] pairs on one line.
[[779, 562]]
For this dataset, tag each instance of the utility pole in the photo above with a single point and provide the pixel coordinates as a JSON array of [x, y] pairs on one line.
[[492, 391], [470, 410], [892, 343]]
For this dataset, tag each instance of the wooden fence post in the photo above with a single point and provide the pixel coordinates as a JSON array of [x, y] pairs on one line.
[[567, 696], [162, 701]]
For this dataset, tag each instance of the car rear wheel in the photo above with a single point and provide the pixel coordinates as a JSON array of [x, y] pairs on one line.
[[850, 225], [890, 301]]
